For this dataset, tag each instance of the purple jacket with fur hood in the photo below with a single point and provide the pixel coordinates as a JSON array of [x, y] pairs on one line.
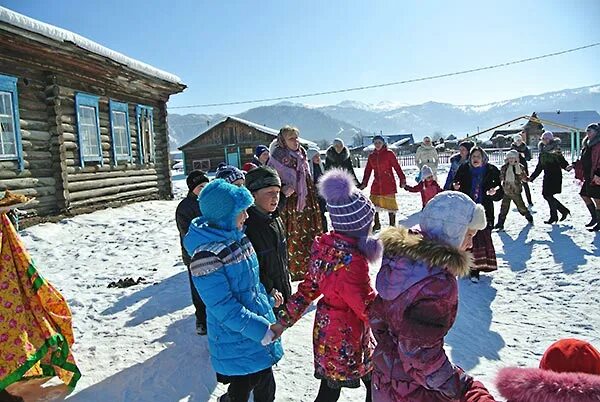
[[415, 309]]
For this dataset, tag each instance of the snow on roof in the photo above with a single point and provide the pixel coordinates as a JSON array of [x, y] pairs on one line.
[[62, 35], [259, 127]]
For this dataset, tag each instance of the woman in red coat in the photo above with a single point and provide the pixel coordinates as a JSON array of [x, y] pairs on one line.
[[339, 270], [383, 162]]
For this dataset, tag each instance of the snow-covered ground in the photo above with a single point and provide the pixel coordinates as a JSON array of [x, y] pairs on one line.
[[139, 343]]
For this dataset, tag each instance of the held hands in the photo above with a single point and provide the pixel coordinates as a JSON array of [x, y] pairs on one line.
[[362, 186], [596, 180], [277, 330], [492, 191], [569, 168], [456, 186], [277, 296]]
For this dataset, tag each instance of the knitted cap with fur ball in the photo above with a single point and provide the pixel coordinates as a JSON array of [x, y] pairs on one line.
[[222, 202], [448, 216], [350, 211]]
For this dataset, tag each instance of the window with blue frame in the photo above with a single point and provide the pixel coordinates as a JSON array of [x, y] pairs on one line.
[[119, 129], [10, 137], [145, 126], [88, 128]]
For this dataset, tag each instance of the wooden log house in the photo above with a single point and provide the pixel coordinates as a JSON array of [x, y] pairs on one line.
[[81, 125]]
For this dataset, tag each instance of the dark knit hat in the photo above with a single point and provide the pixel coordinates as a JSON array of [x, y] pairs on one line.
[[350, 211], [260, 149], [229, 173], [195, 178], [261, 177], [380, 138], [467, 144]]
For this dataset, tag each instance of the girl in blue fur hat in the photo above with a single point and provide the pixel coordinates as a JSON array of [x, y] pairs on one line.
[[225, 271]]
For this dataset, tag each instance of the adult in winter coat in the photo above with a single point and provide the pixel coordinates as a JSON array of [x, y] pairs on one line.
[[266, 232], [568, 372], [427, 155], [317, 169], [382, 162], [480, 180], [428, 187], [239, 311], [417, 303], [513, 176], [590, 174], [338, 156], [551, 161], [456, 161], [300, 211], [524, 157], [187, 210], [339, 270]]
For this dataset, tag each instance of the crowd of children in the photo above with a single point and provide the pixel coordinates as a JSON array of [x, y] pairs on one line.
[[256, 232]]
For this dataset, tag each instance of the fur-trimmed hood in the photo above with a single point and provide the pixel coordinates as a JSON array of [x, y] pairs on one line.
[[401, 242], [537, 385], [338, 158]]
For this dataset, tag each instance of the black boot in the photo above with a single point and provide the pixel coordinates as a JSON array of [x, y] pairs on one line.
[[392, 219], [592, 209], [529, 218], [564, 213], [500, 224], [597, 227], [376, 224]]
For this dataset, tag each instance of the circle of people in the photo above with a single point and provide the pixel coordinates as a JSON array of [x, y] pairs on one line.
[[245, 236]]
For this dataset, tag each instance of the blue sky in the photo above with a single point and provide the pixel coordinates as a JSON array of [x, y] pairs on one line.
[[237, 50]]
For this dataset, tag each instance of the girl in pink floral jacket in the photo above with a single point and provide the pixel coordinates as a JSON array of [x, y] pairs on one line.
[[339, 270]]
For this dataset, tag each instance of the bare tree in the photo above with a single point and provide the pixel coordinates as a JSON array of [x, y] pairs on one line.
[[323, 144], [436, 136]]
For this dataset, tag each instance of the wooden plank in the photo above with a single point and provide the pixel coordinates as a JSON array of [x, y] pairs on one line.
[[34, 135], [94, 183], [102, 192], [113, 174], [114, 197], [27, 182]]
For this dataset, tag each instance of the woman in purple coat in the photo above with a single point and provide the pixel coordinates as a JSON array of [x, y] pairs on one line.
[[417, 303]]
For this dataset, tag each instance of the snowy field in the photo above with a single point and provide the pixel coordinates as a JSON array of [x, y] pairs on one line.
[[139, 343]]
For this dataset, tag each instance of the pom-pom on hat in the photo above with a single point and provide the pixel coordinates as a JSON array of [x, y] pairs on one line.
[[229, 173], [221, 203], [195, 178], [351, 213], [448, 216]]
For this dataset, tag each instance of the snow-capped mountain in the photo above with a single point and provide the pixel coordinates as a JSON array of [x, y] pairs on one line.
[[349, 117]]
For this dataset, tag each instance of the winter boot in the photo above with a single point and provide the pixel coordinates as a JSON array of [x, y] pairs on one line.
[[592, 208], [500, 225], [564, 213], [474, 276], [597, 227], [376, 224], [529, 218], [200, 327], [392, 219]]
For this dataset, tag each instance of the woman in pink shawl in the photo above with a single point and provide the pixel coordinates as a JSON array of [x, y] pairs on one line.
[[299, 207]]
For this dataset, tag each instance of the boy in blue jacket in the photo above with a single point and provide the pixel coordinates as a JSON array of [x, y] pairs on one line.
[[225, 271]]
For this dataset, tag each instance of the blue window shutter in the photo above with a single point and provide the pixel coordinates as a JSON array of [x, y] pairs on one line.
[[9, 84], [83, 99], [114, 106], [140, 111]]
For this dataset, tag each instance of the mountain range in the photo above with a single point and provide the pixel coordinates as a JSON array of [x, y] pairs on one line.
[[351, 118]]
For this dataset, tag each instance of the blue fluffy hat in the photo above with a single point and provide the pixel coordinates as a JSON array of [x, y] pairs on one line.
[[221, 203]]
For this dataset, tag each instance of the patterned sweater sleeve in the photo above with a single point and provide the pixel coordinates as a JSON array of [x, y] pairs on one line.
[[208, 276], [297, 304]]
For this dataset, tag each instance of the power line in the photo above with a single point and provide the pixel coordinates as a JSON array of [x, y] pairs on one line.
[[389, 84]]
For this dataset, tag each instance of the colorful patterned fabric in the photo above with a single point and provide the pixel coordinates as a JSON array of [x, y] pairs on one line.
[[302, 227], [35, 320], [387, 203], [342, 339], [484, 253]]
